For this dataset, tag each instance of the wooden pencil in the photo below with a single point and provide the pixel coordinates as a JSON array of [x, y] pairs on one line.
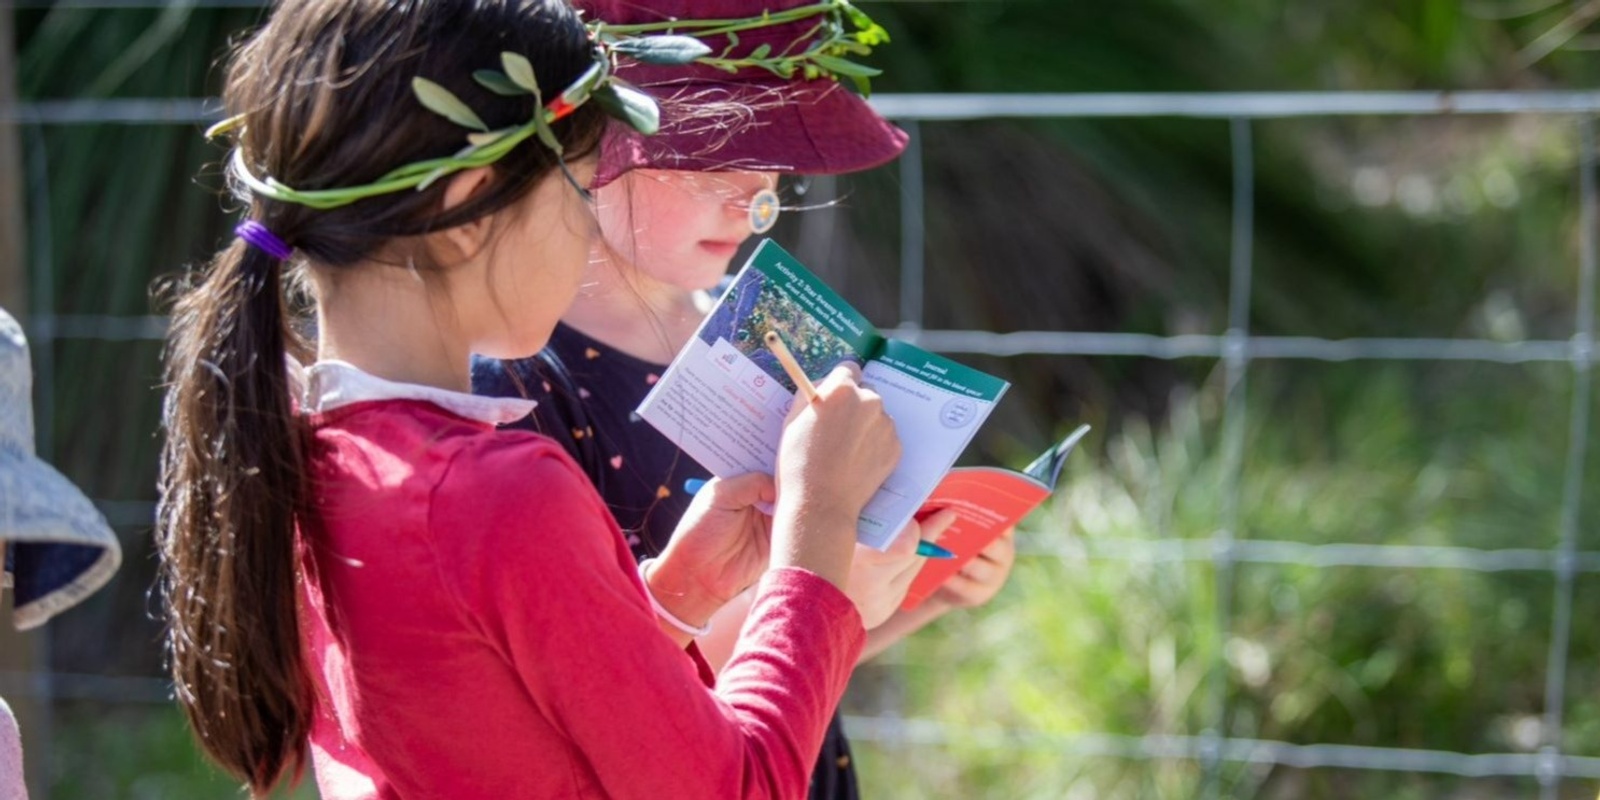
[[925, 548], [786, 358]]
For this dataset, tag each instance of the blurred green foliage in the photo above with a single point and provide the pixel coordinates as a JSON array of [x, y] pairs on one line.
[[1440, 659], [139, 754]]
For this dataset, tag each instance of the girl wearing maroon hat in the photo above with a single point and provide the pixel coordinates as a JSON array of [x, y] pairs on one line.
[[359, 569], [673, 209]]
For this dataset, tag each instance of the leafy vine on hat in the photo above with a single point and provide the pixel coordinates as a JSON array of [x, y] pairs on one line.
[[828, 34], [746, 107]]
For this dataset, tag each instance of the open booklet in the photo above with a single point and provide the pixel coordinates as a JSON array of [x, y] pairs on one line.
[[724, 398], [987, 500]]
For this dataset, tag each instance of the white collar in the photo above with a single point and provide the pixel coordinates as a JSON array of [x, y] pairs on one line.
[[327, 385]]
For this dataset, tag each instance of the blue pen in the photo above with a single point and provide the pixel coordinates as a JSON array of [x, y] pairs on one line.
[[925, 548]]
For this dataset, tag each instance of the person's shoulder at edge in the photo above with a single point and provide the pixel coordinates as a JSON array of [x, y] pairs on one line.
[[11, 784]]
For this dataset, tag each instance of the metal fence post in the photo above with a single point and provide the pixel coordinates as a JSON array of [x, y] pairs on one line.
[[913, 230], [1235, 362], [1555, 694]]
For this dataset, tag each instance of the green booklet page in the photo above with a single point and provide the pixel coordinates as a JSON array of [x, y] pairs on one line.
[[724, 398]]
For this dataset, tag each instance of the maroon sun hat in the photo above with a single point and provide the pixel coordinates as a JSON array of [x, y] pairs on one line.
[[713, 120]]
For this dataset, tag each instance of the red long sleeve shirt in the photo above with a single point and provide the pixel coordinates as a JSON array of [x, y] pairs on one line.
[[476, 629]]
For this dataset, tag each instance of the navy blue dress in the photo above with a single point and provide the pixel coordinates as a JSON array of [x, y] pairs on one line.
[[587, 392]]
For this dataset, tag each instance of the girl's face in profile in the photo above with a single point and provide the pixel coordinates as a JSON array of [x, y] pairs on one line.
[[679, 228]]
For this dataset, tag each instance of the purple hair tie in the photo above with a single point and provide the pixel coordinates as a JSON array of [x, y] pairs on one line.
[[256, 235]]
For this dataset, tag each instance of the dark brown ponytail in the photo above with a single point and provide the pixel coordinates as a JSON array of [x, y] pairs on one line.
[[325, 93], [227, 518]]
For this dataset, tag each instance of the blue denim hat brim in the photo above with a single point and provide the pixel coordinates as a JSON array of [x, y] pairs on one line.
[[60, 548]]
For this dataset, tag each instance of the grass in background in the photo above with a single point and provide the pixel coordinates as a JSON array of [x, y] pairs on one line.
[[138, 753], [1085, 642]]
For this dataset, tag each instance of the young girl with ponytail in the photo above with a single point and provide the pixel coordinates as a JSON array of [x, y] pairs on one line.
[[357, 566]]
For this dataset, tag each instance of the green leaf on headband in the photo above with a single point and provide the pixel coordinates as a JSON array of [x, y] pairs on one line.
[[844, 66], [440, 101], [631, 106], [445, 168], [520, 71], [541, 126], [431, 177], [761, 52], [498, 83], [486, 139], [664, 50], [580, 88], [228, 125]]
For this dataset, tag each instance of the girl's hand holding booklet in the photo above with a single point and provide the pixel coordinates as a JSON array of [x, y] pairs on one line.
[[724, 398]]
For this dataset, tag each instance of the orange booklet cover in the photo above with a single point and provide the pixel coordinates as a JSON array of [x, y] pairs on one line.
[[987, 500]]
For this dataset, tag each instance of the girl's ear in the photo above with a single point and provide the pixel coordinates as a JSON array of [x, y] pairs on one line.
[[468, 237]]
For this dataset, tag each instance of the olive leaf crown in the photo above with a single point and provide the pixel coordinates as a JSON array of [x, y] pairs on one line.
[[841, 31]]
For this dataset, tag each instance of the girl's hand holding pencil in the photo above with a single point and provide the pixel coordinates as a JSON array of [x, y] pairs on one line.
[[790, 366], [774, 342], [835, 452]]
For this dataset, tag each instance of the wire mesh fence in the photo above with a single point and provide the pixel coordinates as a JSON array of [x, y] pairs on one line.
[[1236, 348]]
